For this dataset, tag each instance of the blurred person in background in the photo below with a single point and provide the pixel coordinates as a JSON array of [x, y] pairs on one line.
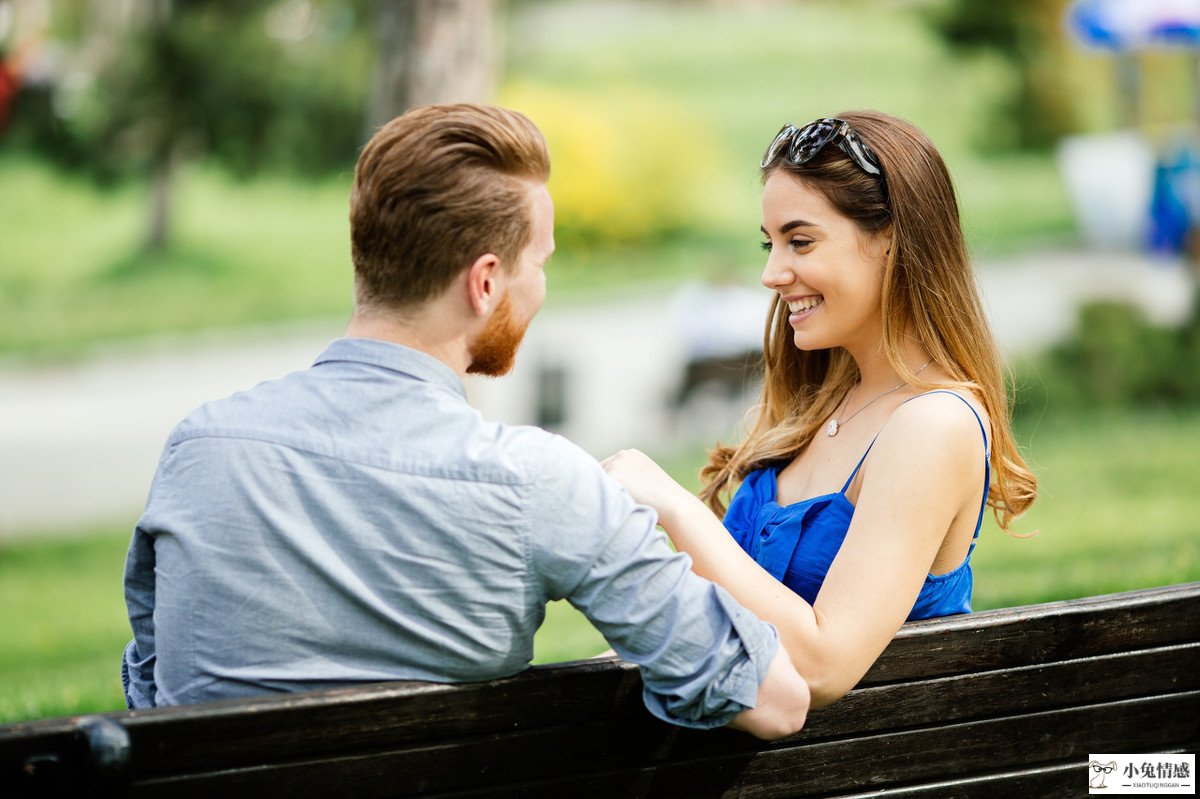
[[882, 432], [723, 350], [358, 521]]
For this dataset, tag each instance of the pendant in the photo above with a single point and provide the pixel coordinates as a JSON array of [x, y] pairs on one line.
[[832, 429]]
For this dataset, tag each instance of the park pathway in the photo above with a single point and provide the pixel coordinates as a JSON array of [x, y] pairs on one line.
[[79, 441]]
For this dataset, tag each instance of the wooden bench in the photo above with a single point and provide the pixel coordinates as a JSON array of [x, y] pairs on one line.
[[999, 703]]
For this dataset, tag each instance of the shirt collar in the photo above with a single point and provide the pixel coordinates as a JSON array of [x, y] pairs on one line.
[[394, 357]]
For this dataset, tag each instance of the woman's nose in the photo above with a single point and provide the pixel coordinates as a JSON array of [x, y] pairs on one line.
[[774, 273]]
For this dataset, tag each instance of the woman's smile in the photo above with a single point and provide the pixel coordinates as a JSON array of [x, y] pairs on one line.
[[803, 307]]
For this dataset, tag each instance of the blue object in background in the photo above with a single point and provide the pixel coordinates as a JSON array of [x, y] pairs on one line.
[[1123, 25], [1175, 200]]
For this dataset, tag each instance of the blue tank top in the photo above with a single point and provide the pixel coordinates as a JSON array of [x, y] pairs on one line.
[[797, 543]]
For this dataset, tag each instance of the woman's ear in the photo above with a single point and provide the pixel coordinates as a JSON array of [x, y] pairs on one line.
[[880, 246]]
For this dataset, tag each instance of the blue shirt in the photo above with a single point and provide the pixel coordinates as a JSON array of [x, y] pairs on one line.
[[358, 521], [797, 543]]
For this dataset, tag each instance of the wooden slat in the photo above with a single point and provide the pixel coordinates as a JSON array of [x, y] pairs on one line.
[[18, 742], [84, 756], [1036, 783], [943, 751], [1063, 779], [971, 748], [259, 729], [235, 734], [640, 739], [1018, 690], [899, 759], [50, 764], [384, 713], [1001, 639]]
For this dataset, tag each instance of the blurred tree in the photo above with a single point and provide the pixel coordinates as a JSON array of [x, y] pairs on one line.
[[250, 83], [1029, 34], [432, 51]]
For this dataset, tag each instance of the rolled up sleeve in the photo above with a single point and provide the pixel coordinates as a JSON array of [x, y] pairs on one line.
[[137, 661], [702, 655], [726, 682]]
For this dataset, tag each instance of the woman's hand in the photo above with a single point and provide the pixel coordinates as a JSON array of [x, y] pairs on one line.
[[645, 480]]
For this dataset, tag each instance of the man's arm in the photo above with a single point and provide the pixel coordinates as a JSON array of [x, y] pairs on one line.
[[137, 661], [705, 660]]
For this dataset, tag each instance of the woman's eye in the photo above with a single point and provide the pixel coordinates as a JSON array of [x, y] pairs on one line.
[[799, 244], [766, 245]]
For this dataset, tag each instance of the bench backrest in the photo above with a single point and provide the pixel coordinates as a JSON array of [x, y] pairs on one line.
[[996, 703]]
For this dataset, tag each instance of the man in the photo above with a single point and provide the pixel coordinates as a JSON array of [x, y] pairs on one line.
[[358, 521]]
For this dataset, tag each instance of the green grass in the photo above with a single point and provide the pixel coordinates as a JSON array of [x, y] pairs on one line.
[[61, 601], [1113, 515], [1117, 510], [266, 251]]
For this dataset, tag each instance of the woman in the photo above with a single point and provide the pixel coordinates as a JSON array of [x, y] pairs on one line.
[[882, 432]]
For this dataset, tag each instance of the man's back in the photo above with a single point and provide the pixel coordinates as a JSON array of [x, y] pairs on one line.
[[358, 521], [346, 523]]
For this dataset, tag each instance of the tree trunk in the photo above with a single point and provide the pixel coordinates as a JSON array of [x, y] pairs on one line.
[[159, 228], [431, 51]]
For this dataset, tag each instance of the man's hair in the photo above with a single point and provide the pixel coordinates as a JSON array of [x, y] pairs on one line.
[[436, 188]]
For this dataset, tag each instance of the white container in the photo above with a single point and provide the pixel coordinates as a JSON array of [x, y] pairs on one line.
[[1109, 178]]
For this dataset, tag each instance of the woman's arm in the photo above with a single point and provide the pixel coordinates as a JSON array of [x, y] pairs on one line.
[[924, 467]]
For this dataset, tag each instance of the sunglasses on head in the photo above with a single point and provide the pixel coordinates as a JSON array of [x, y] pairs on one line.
[[801, 145]]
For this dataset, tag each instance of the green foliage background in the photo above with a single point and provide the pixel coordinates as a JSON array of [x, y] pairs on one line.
[[202, 78], [1116, 358]]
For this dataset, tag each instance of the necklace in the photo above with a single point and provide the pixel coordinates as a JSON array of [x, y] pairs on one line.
[[834, 425]]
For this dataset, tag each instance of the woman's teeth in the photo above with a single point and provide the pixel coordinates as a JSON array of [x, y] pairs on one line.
[[804, 304]]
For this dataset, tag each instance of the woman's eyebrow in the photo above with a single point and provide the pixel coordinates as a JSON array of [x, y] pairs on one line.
[[788, 227]]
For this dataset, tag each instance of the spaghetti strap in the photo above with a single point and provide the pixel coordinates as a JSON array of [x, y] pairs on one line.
[[987, 458], [850, 479], [987, 449]]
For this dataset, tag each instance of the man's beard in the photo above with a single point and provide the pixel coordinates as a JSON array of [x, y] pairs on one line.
[[494, 350]]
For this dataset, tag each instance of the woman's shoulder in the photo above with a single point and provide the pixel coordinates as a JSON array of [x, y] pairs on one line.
[[939, 419], [932, 440]]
